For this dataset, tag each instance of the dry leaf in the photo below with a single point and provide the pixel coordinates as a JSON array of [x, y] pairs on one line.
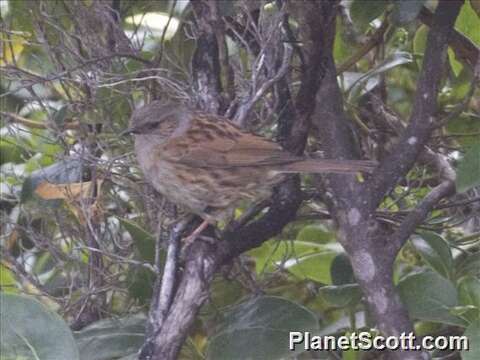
[[49, 191]]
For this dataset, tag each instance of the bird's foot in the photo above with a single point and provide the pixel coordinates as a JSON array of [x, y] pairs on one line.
[[196, 233]]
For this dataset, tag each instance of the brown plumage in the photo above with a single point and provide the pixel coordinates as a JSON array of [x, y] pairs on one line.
[[207, 164]]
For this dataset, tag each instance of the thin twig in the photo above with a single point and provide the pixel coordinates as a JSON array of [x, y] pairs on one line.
[[158, 58], [246, 107], [375, 39], [36, 124]]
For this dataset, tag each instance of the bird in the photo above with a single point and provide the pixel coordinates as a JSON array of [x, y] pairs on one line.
[[208, 165]]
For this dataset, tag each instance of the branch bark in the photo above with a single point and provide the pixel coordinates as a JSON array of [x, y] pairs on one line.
[[445, 188], [422, 122], [205, 60], [316, 17], [369, 243], [463, 47]]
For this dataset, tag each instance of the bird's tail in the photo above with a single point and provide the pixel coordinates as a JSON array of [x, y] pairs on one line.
[[329, 166]]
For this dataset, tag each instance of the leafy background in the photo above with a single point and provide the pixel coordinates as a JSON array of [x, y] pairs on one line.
[[70, 184]]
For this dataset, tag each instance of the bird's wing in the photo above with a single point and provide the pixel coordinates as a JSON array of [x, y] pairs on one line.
[[220, 144]]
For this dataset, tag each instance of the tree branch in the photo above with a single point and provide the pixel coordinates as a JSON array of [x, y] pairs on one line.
[[353, 204], [374, 40], [164, 289], [420, 213], [421, 123], [32, 124], [316, 17], [244, 109], [463, 47], [205, 60]]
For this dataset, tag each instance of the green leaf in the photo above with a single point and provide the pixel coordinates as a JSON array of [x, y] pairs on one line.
[[419, 43], [469, 291], [396, 59], [465, 129], [435, 251], [351, 354], [341, 295], [277, 252], [350, 78], [315, 233], [60, 115], [469, 295], [314, 266], [456, 65], [259, 329], [224, 292], [31, 331], [10, 151], [473, 335], [143, 240], [469, 169], [140, 280], [365, 11], [8, 284], [405, 11], [468, 266], [27, 190], [140, 283], [462, 311], [460, 86], [17, 11], [341, 270], [423, 328], [429, 296], [267, 255], [111, 338], [262, 255], [345, 323], [342, 49], [468, 23]]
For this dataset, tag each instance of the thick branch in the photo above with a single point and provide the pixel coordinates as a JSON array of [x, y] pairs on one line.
[[205, 60], [365, 239], [164, 287], [202, 261], [315, 18], [192, 291]]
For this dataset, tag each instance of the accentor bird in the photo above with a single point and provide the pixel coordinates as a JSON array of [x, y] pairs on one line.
[[208, 165]]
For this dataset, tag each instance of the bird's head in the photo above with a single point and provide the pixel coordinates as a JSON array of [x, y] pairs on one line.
[[159, 121]]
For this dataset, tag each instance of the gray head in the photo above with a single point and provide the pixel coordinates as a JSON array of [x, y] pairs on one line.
[[162, 120]]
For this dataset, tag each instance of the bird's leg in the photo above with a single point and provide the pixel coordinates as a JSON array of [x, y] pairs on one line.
[[196, 233]]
